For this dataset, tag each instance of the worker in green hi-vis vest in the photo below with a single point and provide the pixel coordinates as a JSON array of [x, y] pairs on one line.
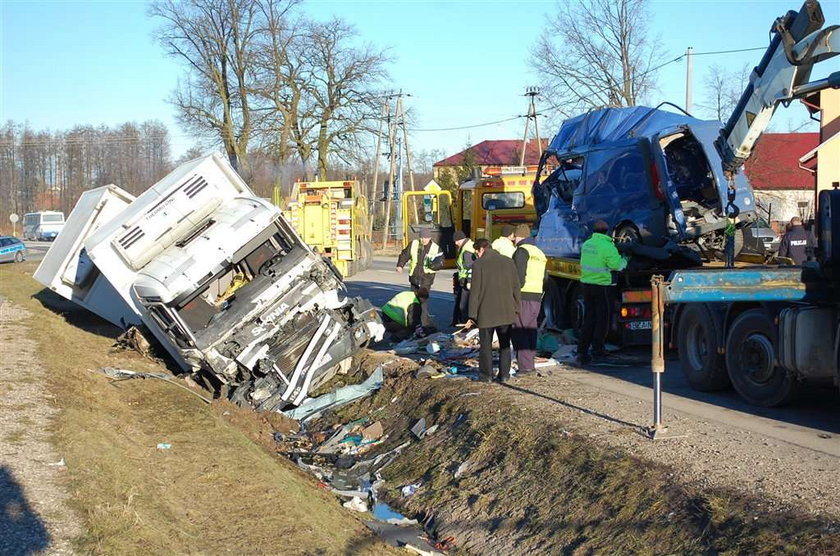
[[401, 315]]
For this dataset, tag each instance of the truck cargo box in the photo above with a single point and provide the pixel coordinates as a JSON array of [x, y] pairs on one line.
[[67, 269]]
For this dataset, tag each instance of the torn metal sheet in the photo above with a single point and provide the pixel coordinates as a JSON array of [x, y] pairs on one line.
[[315, 406]]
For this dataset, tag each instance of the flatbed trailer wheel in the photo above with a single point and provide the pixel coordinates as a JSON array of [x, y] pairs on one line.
[[697, 342], [552, 305], [752, 362]]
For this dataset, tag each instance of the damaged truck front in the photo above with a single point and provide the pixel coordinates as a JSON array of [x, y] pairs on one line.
[[220, 279]]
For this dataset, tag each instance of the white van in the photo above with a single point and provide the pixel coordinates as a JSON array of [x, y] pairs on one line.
[[42, 226]]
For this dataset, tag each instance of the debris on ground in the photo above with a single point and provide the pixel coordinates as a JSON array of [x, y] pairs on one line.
[[311, 407]]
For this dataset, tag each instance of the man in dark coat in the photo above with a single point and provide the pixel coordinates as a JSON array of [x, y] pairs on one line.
[[494, 304], [798, 243]]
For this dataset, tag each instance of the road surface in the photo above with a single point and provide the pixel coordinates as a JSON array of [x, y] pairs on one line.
[[813, 423]]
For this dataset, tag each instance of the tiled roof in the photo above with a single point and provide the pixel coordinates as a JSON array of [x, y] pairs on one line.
[[775, 161], [502, 152]]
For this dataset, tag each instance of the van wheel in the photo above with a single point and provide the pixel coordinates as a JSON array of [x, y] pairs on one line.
[[19, 257], [702, 365], [627, 233], [752, 362]]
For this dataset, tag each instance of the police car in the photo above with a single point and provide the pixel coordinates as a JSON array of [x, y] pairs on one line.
[[12, 249]]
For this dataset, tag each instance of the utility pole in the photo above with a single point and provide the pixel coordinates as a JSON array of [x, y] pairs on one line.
[[385, 110], [689, 62], [532, 93], [398, 189], [392, 148], [401, 109]]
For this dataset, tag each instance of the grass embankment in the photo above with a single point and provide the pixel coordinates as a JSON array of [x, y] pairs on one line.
[[215, 490], [502, 478]]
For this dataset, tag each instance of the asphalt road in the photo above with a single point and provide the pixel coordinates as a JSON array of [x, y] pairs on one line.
[[813, 422], [35, 250]]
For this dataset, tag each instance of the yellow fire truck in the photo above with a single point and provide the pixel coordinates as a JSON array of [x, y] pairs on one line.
[[332, 218]]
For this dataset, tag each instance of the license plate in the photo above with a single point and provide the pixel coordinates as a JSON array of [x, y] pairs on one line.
[[640, 325]]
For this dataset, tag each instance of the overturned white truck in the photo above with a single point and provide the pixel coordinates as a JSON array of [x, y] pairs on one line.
[[219, 277]]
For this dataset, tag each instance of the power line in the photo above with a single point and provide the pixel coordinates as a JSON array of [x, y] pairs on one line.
[[472, 126], [729, 51]]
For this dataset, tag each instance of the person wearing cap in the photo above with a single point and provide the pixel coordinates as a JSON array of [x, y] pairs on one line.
[[424, 258], [401, 315], [494, 303], [530, 265], [598, 259], [461, 284], [504, 243]]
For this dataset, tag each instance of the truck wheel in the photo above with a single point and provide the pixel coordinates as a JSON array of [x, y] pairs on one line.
[[552, 305], [19, 257], [697, 342], [576, 308], [751, 359]]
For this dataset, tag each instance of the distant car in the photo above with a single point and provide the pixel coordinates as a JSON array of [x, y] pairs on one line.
[[12, 249], [760, 238], [653, 176]]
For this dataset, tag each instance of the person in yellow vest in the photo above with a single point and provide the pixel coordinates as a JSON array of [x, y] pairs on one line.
[[530, 264], [401, 315], [424, 258], [598, 258], [504, 243], [461, 284]]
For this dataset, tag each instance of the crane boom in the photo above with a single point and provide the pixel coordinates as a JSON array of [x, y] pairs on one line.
[[799, 42]]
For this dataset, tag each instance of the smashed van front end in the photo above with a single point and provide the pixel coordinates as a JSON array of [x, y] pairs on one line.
[[254, 313]]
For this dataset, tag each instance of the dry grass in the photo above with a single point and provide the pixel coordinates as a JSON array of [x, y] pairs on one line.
[[215, 491]]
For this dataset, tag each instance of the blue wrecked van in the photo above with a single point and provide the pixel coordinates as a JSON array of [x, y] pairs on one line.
[[654, 176]]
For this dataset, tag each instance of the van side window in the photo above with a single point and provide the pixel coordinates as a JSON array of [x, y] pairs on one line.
[[621, 172]]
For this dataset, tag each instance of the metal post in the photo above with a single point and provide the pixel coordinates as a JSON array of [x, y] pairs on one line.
[[689, 63], [657, 362]]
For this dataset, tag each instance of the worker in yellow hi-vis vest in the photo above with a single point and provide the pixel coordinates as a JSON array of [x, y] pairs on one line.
[[424, 258], [461, 283], [530, 265]]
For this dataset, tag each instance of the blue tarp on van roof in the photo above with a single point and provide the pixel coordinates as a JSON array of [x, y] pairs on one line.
[[610, 125]]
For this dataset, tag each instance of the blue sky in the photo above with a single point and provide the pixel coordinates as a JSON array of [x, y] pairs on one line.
[[464, 62]]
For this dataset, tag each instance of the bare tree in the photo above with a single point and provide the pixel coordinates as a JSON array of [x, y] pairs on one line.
[[215, 39], [281, 85], [722, 88], [344, 80], [596, 53]]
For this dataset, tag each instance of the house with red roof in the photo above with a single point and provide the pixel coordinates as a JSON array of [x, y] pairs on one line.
[[780, 183], [491, 156]]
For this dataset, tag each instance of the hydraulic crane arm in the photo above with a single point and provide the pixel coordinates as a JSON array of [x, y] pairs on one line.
[[799, 42]]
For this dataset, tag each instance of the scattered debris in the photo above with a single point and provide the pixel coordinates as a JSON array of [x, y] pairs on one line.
[[356, 504], [125, 374], [59, 463], [426, 371], [136, 339], [408, 490], [419, 428], [373, 432], [164, 446]]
